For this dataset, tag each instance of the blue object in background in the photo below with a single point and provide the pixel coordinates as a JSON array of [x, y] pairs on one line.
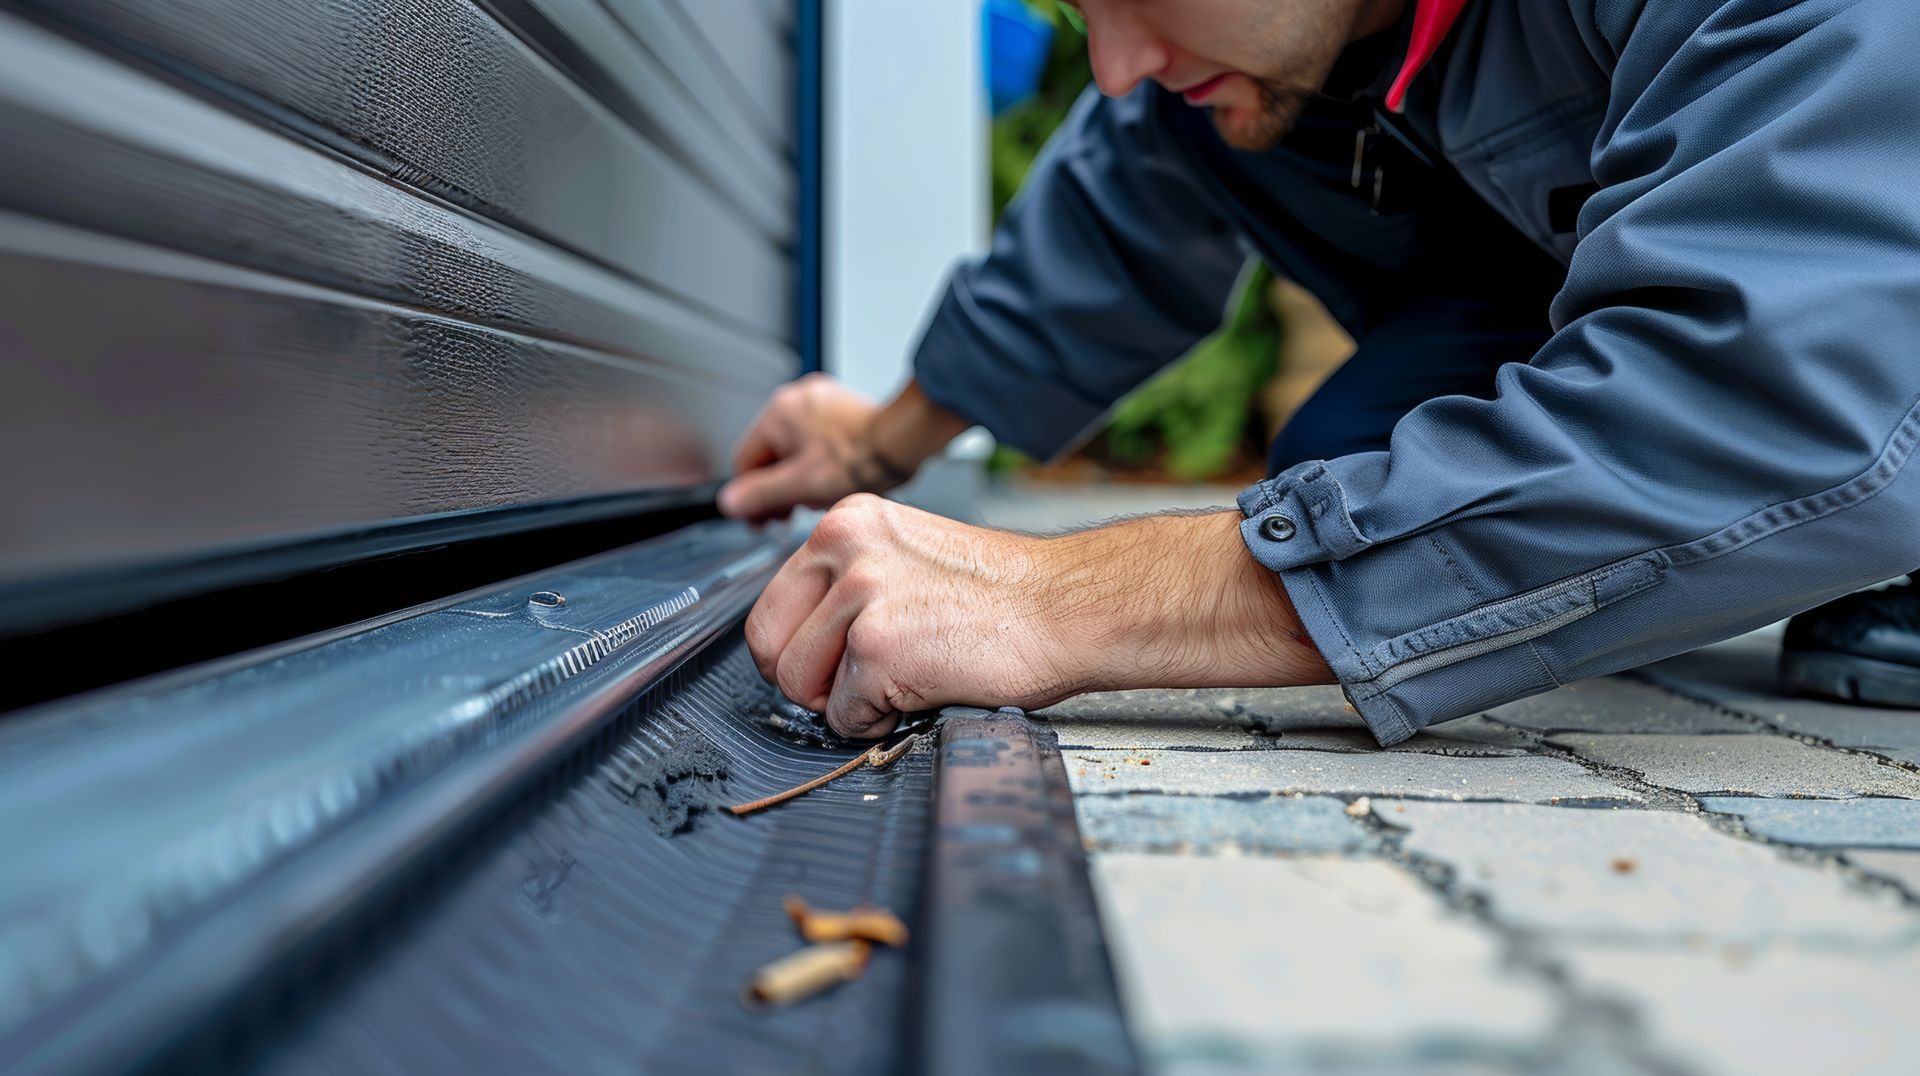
[[1017, 42]]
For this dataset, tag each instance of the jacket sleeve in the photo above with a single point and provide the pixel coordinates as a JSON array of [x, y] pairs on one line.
[[1110, 264], [1718, 434]]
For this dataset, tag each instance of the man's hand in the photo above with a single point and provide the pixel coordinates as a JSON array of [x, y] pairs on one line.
[[887, 609], [816, 442]]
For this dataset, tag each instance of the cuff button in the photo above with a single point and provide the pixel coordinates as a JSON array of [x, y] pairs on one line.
[[1277, 528]]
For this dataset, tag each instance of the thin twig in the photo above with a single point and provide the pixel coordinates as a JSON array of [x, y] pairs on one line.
[[852, 764], [883, 759]]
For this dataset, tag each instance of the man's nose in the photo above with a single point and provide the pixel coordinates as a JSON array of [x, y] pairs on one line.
[[1122, 51]]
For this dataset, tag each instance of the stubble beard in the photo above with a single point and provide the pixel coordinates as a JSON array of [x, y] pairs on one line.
[[1262, 127]]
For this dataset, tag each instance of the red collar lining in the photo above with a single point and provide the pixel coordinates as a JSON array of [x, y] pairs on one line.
[[1431, 21]]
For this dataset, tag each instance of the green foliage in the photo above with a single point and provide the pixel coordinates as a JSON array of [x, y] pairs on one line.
[[1019, 133], [1196, 412], [1199, 409]]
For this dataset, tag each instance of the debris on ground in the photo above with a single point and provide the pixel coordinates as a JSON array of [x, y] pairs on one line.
[[1360, 808], [801, 975], [879, 756], [864, 923], [841, 945], [678, 785]]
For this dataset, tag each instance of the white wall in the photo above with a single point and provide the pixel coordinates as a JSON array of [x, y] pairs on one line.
[[906, 175]]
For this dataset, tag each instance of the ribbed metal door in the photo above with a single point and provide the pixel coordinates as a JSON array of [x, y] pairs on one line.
[[277, 271]]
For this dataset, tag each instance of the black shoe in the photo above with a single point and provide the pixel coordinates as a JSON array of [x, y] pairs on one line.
[[1864, 647]]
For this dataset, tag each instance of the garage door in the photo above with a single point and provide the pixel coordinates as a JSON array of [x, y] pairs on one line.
[[283, 282]]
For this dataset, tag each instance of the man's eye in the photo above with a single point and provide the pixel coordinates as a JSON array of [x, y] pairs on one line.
[[1073, 17]]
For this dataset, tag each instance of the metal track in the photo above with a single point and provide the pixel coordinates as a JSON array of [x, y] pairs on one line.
[[483, 837], [172, 845]]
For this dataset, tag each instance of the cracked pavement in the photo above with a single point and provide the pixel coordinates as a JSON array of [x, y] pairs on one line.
[[1674, 871]]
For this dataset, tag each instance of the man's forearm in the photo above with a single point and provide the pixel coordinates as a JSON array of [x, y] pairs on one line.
[[1174, 601], [909, 431]]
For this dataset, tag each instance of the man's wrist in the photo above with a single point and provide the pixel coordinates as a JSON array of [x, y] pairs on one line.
[[908, 431], [1175, 601]]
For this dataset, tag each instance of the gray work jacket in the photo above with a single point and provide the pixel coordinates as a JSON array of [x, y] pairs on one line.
[[1717, 434]]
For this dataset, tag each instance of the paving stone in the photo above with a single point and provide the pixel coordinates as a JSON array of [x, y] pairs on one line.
[[1616, 704], [1128, 733], [1863, 823], [1315, 718], [1740, 675], [1774, 1011], [1764, 765], [1258, 964], [1899, 866], [1642, 878], [1466, 737], [1526, 779], [1279, 824]]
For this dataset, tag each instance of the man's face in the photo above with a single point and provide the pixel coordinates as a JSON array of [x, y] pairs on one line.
[[1253, 62]]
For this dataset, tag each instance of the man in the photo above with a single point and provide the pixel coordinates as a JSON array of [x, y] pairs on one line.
[[1636, 288]]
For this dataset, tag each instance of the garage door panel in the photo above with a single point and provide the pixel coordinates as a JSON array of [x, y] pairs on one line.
[[117, 151], [287, 284], [672, 38], [448, 99], [586, 41], [747, 46], [168, 403]]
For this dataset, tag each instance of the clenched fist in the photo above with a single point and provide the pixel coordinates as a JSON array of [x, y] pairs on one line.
[[887, 609]]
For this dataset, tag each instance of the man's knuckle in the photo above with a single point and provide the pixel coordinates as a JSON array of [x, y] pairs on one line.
[[761, 649], [786, 677], [832, 530], [861, 581], [873, 641], [861, 505], [851, 521]]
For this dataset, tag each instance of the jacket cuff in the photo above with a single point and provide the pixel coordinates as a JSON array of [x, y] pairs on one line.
[[965, 371], [1453, 653]]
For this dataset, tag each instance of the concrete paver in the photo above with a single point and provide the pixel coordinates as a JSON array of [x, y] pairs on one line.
[[1258, 963], [1281, 824], [1763, 765], [1313, 718], [1526, 779], [1739, 675], [1902, 867], [1775, 1011], [1642, 878], [1861, 823], [1158, 732], [1617, 704]]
